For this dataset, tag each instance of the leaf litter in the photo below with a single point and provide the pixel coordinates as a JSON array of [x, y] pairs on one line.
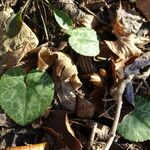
[[93, 94]]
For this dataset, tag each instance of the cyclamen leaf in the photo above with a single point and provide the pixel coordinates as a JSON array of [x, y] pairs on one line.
[[24, 97], [136, 125], [84, 41], [14, 26], [63, 19]]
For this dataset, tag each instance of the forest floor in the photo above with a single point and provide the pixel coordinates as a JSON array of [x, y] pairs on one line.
[[75, 75]]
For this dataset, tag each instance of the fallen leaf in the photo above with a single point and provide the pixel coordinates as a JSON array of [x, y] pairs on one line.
[[138, 64], [85, 109], [18, 46], [67, 70], [96, 80], [102, 132], [40, 146], [144, 6], [124, 47], [119, 66], [96, 97], [66, 94], [90, 21], [45, 57], [60, 129], [126, 27]]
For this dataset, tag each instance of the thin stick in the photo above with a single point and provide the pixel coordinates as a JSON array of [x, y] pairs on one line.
[[44, 25], [92, 135], [118, 98]]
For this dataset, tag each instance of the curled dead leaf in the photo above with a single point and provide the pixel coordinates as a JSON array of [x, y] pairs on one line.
[[85, 109], [18, 46], [45, 58], [40, 146], [96, 80], [67, 70], [126, 27], [66, 94], [102, 132], [96, 97], [144, 6], [90, 21], [61, 129]]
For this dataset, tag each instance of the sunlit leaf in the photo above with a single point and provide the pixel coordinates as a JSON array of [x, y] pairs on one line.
[[84, 41], [24, 97]]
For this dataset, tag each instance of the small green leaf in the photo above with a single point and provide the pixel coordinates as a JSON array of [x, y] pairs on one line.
[[136, 125], [24, 97], [63, 19], [84, 41], [14, 25]]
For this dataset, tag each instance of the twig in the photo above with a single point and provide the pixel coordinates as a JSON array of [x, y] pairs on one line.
[[44, 25], [118, 97], [92, 135]]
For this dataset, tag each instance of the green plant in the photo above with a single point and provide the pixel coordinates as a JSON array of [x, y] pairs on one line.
[[83, 40], [136, 125], [24, 97]]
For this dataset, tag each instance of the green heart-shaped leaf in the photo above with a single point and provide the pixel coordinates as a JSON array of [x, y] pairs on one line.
[[24, 97], [136, 125], [84, 41]]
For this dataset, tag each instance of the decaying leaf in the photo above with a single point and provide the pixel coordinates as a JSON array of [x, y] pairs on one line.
[[18, 46], [85, 109], [67, 70], [61, 129], [144, 6], [66, 94], [126, 28], [124, 47], [118, 68], [40, 146], [102, 132], [45, 57], [96, 79], [90, 21], [139, 63], [96, 97]]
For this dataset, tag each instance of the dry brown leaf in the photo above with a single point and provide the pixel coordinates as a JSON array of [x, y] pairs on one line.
[[58, 125], [124, 47], [18, 46], [40, 146], [85, 109], [144, 7], [67, 70], [66, 94], [96, 80], [45, 57], [96, 97], [90, 21], [126, 28], [102, 132], [118, 68]]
